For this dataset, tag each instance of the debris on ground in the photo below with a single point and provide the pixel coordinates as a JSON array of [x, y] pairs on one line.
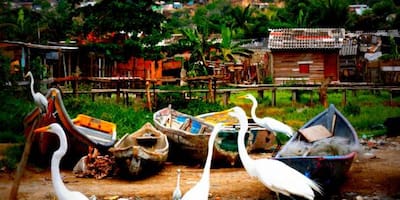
[[95, 165]]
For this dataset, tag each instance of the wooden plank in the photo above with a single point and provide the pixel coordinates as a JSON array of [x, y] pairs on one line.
[[315, 133], [23, 162]]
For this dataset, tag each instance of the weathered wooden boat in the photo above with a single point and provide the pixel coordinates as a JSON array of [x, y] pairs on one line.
[[323, 149], [259, 138], [190, 143], [188, 136], [82, 131], [142, 152]]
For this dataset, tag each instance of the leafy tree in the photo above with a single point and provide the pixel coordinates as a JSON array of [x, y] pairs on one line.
[[178, 19], [382, 15], [288, 16], [199, 46], [259, 26], [143, 25], [243, 18], [321, 13], [210, 17], [55, 24], [229, 48], [315, 13], [19, 24]]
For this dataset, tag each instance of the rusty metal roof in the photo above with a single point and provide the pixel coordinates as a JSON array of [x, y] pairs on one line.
[[306, 38]]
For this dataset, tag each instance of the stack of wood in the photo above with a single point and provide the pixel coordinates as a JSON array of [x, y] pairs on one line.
[[95, 165]]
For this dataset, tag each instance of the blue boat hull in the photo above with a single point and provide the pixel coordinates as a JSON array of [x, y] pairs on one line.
[[327, 170]]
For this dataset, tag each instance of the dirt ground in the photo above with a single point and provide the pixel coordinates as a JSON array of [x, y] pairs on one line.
[[372, 178]]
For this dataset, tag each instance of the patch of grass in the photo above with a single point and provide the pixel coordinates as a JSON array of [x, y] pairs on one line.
[[7, 136], [12, 156], [13, 109]]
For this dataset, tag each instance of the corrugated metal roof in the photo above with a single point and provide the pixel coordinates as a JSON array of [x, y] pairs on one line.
[[348, 50], [350, 46], [306, 38]]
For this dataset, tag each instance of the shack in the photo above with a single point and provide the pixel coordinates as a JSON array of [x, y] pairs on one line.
[[305, 55]]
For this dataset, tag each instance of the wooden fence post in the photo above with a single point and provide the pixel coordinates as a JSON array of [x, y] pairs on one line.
[[226, 97], [344, 97], [24, 160]]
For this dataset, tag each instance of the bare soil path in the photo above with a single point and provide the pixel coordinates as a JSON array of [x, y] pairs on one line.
[[374, 178]]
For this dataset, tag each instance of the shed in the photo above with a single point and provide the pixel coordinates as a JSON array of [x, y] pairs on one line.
[[305, 55], [58, 58]]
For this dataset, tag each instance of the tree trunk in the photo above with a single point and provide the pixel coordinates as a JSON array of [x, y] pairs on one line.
[[323, 92]]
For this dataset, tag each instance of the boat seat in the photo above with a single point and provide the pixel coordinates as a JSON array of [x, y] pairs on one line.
[[315, 133], [147, 141], [195, 127], [179, 122]]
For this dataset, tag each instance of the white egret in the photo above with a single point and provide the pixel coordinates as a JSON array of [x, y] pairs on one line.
[[269, 123], [61, 191], [177, 195], [200, 190], [40, 100], [274, 174]]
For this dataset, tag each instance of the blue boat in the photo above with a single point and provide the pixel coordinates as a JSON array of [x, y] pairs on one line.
[[307, 150]]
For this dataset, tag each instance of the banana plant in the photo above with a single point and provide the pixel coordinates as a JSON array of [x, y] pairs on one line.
[[230, 48]]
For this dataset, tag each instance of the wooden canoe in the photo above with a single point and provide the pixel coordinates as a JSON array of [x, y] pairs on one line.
[[188, 135], [323, 149], [259, 138], [142, 152]]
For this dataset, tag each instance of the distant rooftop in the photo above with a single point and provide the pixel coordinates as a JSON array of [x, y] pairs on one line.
[[306, 38]]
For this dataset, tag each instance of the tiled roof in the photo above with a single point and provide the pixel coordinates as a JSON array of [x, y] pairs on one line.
[[306, 38]]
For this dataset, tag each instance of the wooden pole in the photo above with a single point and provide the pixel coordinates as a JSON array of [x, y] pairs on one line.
[[211, 88], [22, 163], [344, 97], [148, 95]]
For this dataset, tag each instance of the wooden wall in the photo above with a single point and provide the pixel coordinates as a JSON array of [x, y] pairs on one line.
[[285, 67]]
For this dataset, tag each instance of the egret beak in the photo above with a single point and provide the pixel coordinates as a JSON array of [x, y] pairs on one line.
[[242, 97], [42, 129]]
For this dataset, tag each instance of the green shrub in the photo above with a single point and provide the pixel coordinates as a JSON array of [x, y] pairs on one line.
[[12, 156], [352, 109]]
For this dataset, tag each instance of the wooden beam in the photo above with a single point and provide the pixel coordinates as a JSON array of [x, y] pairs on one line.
[[344, 97], [226, 96], [24, 160]]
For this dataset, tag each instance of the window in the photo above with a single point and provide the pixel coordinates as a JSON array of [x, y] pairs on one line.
[[304, 67]]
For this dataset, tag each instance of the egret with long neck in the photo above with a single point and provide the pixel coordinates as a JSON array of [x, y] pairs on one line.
[[201, 189], [274, 174], [40, 100], [60, 189], [269, 123]]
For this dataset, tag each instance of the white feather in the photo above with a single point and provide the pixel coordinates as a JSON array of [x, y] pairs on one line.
[[60, 189], [274, 174], [201, 189], [269, 123], [40, 100]]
